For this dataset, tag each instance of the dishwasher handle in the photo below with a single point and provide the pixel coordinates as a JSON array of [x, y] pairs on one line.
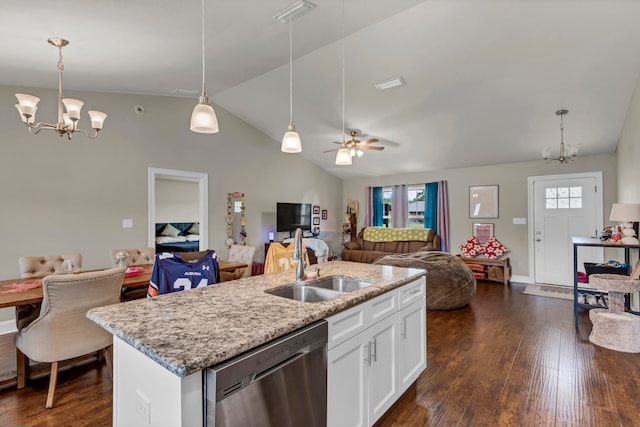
[[259, 375]]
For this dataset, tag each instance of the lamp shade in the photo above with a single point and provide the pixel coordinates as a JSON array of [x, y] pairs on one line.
[[97, 119], [204, 119], [73, 107], [291, 141], [28, 104], [343, 157], [626, 212]]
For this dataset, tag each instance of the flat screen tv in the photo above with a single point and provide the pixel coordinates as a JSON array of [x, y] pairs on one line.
[[293, 215]]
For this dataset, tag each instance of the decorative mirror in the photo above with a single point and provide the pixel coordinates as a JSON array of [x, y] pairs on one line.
[[236, 233]]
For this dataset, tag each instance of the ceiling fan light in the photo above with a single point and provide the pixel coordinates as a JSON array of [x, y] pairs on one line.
[[343, 157], [203, 118], [291, 141], [352, 151], [359, 153]]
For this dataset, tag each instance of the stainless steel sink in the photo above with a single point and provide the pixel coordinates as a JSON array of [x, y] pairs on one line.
[[339, 283], [306, 293]]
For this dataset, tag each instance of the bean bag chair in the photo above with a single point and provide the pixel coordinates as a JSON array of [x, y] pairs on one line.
[[450, 283]]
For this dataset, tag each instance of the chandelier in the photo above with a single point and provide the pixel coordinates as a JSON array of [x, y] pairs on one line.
[[572, 150], [67, 123]]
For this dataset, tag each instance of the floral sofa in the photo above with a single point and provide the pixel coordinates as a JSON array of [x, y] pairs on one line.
[[375, 242]]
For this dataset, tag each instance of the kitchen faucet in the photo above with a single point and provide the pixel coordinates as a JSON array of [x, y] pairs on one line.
[[298, 254]]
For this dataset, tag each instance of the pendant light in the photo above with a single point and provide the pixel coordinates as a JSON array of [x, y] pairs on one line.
[[572, 150], [291, 140], [203, 118], [343, 156]]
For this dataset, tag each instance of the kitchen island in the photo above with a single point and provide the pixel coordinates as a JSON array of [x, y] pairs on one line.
[[162, 344]]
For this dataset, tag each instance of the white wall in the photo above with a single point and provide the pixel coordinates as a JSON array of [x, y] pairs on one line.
[[629, 153], [512, 181], [176, 201], [62, 196]]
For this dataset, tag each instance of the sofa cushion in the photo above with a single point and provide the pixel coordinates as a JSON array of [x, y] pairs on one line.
[[385, 234], [352, 245]]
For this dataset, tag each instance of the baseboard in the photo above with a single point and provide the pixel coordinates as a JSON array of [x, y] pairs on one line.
[[8, 327], [520, 279]]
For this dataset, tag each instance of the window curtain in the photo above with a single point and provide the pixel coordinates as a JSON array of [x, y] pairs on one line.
[[399, 205], [376, 205], [443, 215], [368, 206], [436, 211]]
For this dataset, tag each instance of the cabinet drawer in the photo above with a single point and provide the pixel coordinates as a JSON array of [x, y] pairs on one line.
[[382, 306], [411, 292], [347, 324]]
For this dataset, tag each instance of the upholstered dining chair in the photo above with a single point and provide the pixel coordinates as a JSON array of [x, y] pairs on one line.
[[243, 254], [40, 266], [133, 257], [62, 330]]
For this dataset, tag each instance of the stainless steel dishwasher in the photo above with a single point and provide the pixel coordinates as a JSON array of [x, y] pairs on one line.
[[281, 383]]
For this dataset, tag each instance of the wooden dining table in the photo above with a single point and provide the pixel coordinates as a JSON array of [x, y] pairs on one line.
[[16, 292]]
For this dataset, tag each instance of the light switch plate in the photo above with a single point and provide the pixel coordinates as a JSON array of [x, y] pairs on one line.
[[127, 223], [520, 221]]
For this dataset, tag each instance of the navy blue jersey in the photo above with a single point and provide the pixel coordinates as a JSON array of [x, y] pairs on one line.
[[171, 273]]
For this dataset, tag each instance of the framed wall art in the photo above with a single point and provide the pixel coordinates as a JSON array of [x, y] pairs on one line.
[[316, 210], [316, 220], [483, 201], [482, 232], [325, 214]]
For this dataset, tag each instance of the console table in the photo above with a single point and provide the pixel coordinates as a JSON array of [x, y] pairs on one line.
[[592, 242]]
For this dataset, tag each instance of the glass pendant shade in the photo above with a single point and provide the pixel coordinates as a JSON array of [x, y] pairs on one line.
[[291, 141], [203, 118], [97, 119], [343, 157], [73, 107], [27, 104], [31, 118]]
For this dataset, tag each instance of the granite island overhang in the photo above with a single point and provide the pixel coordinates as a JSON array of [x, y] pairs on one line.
[[189, 331]]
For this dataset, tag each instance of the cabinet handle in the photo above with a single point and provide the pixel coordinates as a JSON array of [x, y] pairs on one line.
[[403, 329], [375, 350]]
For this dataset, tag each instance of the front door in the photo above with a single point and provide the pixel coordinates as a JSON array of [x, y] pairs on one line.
[[563, 207]]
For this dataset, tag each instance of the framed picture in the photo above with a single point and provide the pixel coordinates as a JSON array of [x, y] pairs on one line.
[[316, 210], [325, 214], [482, 232], [483, 201], [316, 220]]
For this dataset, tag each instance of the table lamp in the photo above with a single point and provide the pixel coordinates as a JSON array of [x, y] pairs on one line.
[[628, 213]]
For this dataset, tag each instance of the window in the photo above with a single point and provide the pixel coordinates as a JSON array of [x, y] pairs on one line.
[[415, 207], [563, 198]]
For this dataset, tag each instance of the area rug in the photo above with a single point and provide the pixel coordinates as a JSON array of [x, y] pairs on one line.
[[561, 292]]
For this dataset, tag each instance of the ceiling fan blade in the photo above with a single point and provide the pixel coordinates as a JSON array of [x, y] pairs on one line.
[[366, 147], [336, 142], [370, 141], [328, 151]]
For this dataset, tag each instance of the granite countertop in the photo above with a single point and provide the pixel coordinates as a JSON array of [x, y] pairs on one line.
[[189, 331]]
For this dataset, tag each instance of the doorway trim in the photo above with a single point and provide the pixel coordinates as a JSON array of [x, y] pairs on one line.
[[203, 200], [530, 212]]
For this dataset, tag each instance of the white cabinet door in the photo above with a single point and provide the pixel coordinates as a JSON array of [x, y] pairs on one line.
[[383, 369], [347, 383], [412, 343]]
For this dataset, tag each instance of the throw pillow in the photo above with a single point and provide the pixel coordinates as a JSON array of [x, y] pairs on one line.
[[170, 230], [194, 229], [352, 245], [471, 248], [493, 249]]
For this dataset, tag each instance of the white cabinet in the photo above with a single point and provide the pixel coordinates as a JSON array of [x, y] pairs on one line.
[[412, 344], [370, 364]]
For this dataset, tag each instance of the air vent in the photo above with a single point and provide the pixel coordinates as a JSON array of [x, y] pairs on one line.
[[294, 11], [390, 83]]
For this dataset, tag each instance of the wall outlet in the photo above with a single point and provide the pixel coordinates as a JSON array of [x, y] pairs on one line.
[[127, 223], [520, 221], [143, 406]]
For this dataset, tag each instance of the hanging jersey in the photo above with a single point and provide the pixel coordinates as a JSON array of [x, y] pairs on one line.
[[171, 273]]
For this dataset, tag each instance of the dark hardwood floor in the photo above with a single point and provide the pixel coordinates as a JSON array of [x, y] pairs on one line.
[[508, 359]]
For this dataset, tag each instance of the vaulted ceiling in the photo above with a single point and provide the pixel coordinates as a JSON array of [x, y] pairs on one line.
[[483, 77]]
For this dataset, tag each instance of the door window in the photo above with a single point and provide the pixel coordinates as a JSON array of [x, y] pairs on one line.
[[563, 198]]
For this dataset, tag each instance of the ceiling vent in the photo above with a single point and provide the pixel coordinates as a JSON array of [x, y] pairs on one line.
[[185, 92], [293, 11], [390, 83]]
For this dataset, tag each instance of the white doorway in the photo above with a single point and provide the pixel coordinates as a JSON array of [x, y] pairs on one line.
[[560, 207], [201, 179]]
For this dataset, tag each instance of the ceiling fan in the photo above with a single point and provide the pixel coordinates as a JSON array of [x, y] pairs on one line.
[[357, 147]]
